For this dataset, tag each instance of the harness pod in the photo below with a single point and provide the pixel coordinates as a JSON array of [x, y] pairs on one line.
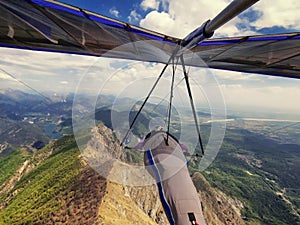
[[168, 166]]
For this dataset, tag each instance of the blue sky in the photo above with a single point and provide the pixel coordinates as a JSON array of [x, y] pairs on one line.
[[122, 10], [62, 72], [116, 9], [106, 7]]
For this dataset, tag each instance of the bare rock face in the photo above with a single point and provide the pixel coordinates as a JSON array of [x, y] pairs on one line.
[[147, 199]]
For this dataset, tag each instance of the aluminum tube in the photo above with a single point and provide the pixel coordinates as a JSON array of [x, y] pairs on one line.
[[232, 10]]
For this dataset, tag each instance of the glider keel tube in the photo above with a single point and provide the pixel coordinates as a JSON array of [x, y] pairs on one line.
[[232, 10], [194, 38], [208, 28]]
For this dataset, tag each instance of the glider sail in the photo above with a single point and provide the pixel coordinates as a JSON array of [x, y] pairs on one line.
[[53, 26]]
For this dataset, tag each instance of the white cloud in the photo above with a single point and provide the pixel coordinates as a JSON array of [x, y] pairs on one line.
[[134, 17], [278, 13], [150, 4], [226, 75], [4, 76], [62, 72], [44, 70], [261, 97], [114, 12], [180, 19], [41, 63], [160, 22]]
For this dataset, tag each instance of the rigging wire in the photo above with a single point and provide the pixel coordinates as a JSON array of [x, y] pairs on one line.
[[154, 108], [170, 102], [186, 78], [26, 85], [193, 56], [192, 103], [146, 99]]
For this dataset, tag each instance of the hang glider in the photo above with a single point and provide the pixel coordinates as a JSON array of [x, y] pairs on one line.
[[47, 25]]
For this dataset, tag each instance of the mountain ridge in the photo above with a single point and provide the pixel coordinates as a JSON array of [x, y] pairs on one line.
[[62, 189]]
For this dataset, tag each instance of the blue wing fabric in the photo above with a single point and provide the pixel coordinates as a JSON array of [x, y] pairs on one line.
[[52, 26]]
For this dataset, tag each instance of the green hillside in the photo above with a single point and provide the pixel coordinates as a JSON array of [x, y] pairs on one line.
[[10, 162], [53, 191], [258, 171]]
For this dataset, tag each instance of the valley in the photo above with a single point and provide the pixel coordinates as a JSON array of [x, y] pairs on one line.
[[43, 174]]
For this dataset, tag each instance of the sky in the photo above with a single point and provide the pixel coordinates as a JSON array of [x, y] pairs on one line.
[[55, 72]]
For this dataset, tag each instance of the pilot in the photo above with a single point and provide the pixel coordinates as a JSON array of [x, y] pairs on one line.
[[165, 161]]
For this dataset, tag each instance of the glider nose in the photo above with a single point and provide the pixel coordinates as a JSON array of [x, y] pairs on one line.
[[195, 37]]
